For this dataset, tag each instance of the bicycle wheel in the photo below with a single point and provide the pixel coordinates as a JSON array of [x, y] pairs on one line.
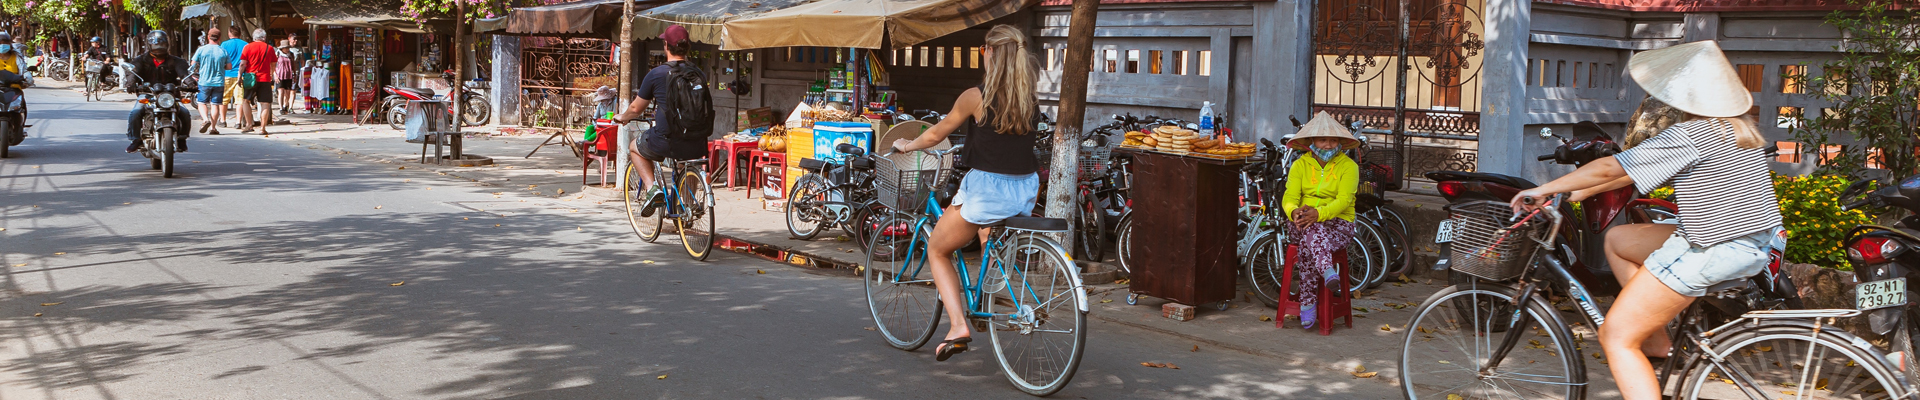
[[1123, 243], [1089, 232], [395, 108], [865, 219], [1266, 262], [1038, 330], [806, 212], [1789, 359], [900, 291], [647, 227], [1368, 268], [1444, 351], [696, 214]]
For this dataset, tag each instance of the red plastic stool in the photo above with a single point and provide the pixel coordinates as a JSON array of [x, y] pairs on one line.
[[760, 160], [722, 153], [1330, 306]]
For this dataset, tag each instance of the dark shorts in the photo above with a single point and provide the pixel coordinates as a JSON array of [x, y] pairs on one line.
[[260, 93], [657, 147], [284, 84], [210, 94]]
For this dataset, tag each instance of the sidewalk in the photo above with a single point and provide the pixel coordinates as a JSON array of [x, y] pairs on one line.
[[1245, 327]]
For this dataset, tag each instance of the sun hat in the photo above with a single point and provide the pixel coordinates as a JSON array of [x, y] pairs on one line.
[[1693, 77], [1322, 125]]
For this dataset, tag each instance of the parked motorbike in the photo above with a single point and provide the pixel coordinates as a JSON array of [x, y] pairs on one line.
[[1883, 258], [159, 129], [474, 108], [13, 112]]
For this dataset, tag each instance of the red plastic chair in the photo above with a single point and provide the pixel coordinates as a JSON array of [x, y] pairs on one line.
[[599, 150], [759, 161], [1330, 306]]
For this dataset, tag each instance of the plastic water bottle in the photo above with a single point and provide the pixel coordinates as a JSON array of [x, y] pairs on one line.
[[1206, 120]]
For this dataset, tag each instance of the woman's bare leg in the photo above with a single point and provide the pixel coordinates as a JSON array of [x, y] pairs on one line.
[[1643, 309], [1627, 250], [949, 235]]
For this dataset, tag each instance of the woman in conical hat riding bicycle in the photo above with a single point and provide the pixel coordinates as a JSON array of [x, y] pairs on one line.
[[1000, 121], [1728, 214]]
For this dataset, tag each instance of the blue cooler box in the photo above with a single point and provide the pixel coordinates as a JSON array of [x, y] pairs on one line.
[[827, 135]]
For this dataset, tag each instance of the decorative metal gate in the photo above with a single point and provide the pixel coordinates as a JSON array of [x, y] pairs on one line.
[[1412, 77], [558, 77]]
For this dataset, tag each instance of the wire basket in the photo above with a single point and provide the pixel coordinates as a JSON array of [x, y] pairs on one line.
[[1484, 247], [905, 180], [1379, 169], [1094, 160]]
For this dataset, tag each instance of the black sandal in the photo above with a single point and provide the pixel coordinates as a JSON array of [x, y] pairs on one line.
[[953, 346]]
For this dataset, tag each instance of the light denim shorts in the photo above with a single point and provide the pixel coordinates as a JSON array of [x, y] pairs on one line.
[[986, 197], [1690, 270]]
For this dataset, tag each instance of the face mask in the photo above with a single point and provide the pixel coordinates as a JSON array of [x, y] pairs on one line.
[[6, 48], [1325, 154]]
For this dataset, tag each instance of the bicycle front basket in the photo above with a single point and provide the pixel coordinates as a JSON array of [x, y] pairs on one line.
[[1482, 244], [905, 180]]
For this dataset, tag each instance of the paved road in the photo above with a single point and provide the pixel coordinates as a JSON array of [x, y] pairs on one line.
[[267, 270]]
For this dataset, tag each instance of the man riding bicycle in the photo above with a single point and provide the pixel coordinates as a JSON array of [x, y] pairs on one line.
[[656, 144], [1711, 155]]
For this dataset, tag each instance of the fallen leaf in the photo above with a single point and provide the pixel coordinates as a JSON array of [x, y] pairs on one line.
[[50, 304], [25, 264], [661, 377], [1445, 362], [1762, 348], [127, 203], [36, 314], [376, 207], [1107, 301], [397, 283], [60, 253], [1195, 348], [868, 328], [1121, 281], [642, 262], [1264, 318], [1453, 396], [761, 271], [496, 225], [1596, 355], [403, 167], [1386, 328], [1364, 375], [1359, 368]]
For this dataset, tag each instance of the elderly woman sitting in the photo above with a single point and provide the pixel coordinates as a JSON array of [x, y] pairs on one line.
[[1319, 203]]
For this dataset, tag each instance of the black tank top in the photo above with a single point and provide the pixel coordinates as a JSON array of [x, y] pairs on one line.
[[1000, 153]]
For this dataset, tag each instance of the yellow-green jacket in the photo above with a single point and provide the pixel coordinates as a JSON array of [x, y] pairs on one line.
[[1329, 189]]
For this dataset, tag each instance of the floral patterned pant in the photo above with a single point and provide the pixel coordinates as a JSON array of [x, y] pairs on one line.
[[1317, 242]]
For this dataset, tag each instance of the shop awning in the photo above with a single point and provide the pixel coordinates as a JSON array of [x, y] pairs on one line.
[[585, 18], [377, 14], [864, 23], [205, 9], [703, 18]]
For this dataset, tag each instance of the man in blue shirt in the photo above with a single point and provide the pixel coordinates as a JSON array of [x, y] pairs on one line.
[[211, 63], [235, 94], [654, 145]]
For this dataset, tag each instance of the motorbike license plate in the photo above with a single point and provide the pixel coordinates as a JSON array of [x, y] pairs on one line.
[[1880, 294], [1445, 233]]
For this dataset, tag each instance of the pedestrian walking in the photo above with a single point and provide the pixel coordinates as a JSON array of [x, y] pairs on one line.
[[210, 63], [1319, 199], [235, 92], [283, 73], [257, 61]]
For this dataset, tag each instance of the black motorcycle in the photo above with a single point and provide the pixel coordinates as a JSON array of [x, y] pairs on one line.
[[160, 127], [13, 112], [1883, 258]]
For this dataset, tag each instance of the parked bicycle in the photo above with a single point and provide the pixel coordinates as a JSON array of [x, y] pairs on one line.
[[689, 203], [834, 194], [1499, 336], [1024, 291]]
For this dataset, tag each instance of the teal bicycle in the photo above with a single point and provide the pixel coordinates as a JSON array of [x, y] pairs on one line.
[[1024, 290]]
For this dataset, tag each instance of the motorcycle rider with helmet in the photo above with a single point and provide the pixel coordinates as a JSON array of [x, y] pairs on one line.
[[158, 66], [15, 63]]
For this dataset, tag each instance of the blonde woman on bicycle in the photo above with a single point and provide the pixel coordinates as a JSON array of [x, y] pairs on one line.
[[1728, 213], [1000, 119]]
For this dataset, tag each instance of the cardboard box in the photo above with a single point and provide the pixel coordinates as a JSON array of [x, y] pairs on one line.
[[776, 205], [753, 118]]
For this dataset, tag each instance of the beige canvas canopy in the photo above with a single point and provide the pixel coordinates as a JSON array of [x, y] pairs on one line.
[[863, 23]]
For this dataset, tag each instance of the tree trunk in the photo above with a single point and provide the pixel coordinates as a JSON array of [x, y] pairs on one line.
[[459, 70], [1063, 183], [626, 89]]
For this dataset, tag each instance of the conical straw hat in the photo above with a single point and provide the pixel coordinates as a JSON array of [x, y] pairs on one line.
[[1693, 77], [1322, 125]]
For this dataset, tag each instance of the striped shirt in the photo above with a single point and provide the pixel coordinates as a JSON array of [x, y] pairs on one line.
[[1724, 191]]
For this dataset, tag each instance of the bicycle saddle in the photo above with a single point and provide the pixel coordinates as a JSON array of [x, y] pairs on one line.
[[1033, 224], [424, 93], [812, 165], [1729, 289]]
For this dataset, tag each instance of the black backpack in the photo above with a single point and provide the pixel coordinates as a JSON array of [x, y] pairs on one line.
[[689, 105]]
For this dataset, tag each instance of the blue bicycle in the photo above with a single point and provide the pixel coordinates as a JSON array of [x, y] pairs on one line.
[[689, 204], [1024, 291]]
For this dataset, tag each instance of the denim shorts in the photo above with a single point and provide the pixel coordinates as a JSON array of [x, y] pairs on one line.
[[1690, 270], [986, 198], [210, 94]]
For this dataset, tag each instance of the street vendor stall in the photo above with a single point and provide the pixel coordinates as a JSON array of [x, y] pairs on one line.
[[1185, 191]]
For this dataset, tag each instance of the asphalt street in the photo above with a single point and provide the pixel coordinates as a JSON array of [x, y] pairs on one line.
[[270, 270]]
